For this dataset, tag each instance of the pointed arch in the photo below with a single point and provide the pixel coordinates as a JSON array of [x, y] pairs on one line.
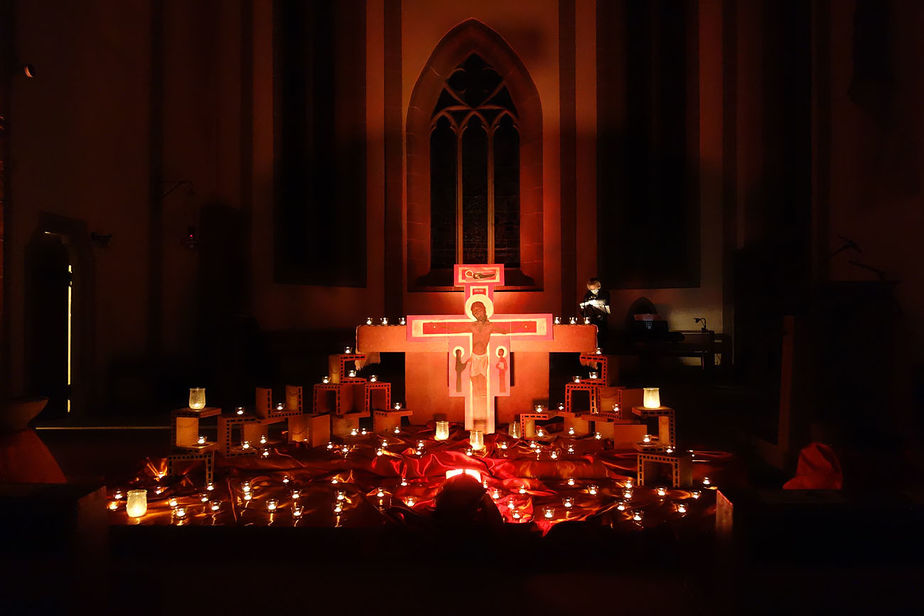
[[517, 98]]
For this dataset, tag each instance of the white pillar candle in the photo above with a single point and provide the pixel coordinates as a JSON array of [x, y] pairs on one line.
[[137, 504]]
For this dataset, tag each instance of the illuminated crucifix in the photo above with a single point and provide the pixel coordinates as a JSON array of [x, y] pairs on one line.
[[479, 343]]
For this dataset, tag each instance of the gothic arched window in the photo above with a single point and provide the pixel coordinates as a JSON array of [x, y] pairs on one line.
[[474, 156]]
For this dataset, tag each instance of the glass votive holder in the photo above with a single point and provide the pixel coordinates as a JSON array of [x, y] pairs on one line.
[[651, 397], [402, 321], [662, 491], [197, 398], [271, 504], [215, 506], [549, 513], [476, 439], [325, 379], [586, 320], [137, 503], [180, 512], [442, 430], [573, 320], [567, 502], [557, 321], [592, 489]]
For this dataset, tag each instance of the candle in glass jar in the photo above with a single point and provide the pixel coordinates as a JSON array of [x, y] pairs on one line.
[[113, 505], [137, 503], [215, 505], [197, 398], [384, 320], [549, 512], [180, 512], [586, 320], [442, 430], [476, 439], [325, 379], [570, 481], [662, 491], [368, 320], [373, 378], [592, 489], [402, 321], [557, 321], [651, 397], [271, 504], [348, 350], [172, 502], [568, 502]]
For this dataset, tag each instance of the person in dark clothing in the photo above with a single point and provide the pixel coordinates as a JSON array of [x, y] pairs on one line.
[[596, 307]]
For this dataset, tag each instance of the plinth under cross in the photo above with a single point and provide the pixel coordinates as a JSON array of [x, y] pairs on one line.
[[479, 344]]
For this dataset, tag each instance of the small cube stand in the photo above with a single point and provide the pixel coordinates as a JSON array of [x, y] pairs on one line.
[[598, 362], [665, 415], [528, 423], [589, 385], [624, 433], [576, 425], [681, 466], [384, 421], [184, 427]]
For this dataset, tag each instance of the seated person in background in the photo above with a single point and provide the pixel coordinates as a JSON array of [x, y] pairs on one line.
[[596, 306]]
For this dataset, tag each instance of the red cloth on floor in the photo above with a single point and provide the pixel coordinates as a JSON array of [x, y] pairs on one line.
[[818, 469]]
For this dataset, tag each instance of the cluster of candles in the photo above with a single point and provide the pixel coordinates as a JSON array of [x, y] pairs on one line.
[[384, 321]]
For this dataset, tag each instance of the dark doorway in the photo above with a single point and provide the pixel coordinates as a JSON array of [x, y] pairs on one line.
[[48, 319]]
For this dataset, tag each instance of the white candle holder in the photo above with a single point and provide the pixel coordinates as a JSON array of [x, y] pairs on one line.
[[137, 503], [197, 398]]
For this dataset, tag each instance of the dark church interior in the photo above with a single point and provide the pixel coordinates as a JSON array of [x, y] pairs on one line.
[[387, 219]]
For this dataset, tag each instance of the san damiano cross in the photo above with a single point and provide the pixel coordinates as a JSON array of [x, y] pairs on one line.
[[479, 344]]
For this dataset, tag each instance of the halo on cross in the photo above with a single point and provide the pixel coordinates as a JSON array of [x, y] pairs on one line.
[[484, 299]]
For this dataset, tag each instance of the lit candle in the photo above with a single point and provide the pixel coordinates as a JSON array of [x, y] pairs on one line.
[[495, 494], [468, 451], [344, 450], [295, 494], [533, 445], [197, 398], [397, 430], [341, 495], [325, 379], [442, 430], [592, 489], [265, 453], [628, 484], [549, 512], [354, 432], [570, 448], [180, 512], [681, 508], [573, 320], [373, 378], [380, 452], [561, 406], [330, 444], [616, 407], [271, 504], [420, 444], [247, 496], [538, 408], [368, 320], [577, 379], [117, 495], [201, 440], [159, 489], [210, 486], [627, 493], [297, 512], [245, 445], [402, 321], [403, 481], [334, 481], [137, 503], [567, 502], [651, 398], [409, 501], [203, 498], [510, 504], [570, 481], [338, 508], [516, 515], [239, 410], [599, 351], [352, 374], [570, 430], [215, 505], [598, 436], [245, 486], [522, 490], [554, 455], [384, 320], [557, 321], [646, 438], [669, 450], [621, 506], [637, 516], [476, 439], [707, 482], [662, 491], [695, 494], [503, 445], [380, 493], [586, 320], [113, 505], [397, 406], [540, 432], [285, 479], [263, 439], [280, 406], [172, 502], [348, 350]]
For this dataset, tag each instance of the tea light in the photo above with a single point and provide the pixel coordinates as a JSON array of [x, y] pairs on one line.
[[159, 490], [510, 504], [348, 350], [245, 445], [330, 444], [538, 408], [598, 436], [522, 490], [651, 398], [215, 505], [373, 378], [239, 410], [468, 451], [409, 501], [495, 494], [296, 494], [172, 502], [180, 512], [646, 438], [210, 486], [707, 482], [296, 512], [592, 489], [570, 430], [384, 320], [598, 351], [285, 480], [577, 379], [570, 448], [351, 374], [197, 398], [533, 445], [280, 406], [540, 432], [621, 506], [201, 440], [325, 379], [554, 455], [263, 439], [380, 452], [265, 453], [669, 450], [117, 495], [403, 481], [334, 481], [380, 493], [354, 432], [561, 406], [271, 504], [637, 516], [397, 430], [695, 494], [245, 486], [570, 481], [368, 320], [557, 320], [397, 406], [476, 439], [662, 491], [113, 505], [586, 320], [137, 503], [247, 496], [203, 498], [516, 515], [681, 508], [420, 444], [616, 407], [503, 445], [402, 321], [567, 502], [627, 493], [344, 450], [341, 495], [573, 320], [628, 484], [549, 513], [338, 508]]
